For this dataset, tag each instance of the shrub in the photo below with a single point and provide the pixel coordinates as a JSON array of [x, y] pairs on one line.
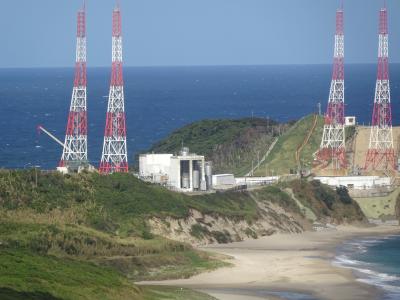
[[222, 237], [324, 194], [343, 194], [198, 231]]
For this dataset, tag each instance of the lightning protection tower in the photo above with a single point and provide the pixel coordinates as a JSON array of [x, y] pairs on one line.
[[114, 157], [333, 140], [74, 154], [380, 155]]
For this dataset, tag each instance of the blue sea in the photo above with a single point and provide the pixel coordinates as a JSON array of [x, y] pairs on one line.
[[162, 99], [375, 261]]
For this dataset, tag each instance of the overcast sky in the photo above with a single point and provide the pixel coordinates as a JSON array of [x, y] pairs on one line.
[[41, 33]]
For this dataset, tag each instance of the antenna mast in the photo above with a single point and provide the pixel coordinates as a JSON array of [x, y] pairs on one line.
[[114, 157], [380, 155], [75, 146], [333, 140]]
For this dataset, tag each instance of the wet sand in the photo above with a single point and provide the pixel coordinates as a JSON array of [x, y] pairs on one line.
[[291, 266]]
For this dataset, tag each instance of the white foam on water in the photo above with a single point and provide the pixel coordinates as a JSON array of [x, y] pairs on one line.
[[388, 282]]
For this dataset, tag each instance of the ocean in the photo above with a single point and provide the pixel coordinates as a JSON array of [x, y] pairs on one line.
[[162, 99], [375, 261]]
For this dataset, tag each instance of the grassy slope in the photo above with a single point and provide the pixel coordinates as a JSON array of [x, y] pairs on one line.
[[313, 144], [89, 218], [117, 204], [380, 207], [230, 144], [25, 275], [282, 158], [397, 208]]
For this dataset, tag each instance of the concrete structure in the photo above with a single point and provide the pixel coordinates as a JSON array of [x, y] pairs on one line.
[[183, 169], [355, 182], [223, 180], [184, 172], [350, 121], [151, 164], [254, 181]]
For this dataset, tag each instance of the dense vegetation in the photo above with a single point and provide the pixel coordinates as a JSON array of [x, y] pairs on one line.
[[397, 208], [118, 203], [327, 204], [231, 145]]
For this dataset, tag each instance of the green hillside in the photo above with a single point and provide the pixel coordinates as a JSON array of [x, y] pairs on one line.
[[94, 226], [87, 236], [231, 145], [337, 206], [282, 158]]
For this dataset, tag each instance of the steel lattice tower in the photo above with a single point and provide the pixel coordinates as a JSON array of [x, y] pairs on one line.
[[75, 145], [114, 157], [380, 155], [333, 140]]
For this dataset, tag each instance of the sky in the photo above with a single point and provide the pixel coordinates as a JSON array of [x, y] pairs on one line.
[[41, 33]]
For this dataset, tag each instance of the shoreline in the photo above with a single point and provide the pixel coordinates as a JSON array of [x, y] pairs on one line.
[[286, 266]]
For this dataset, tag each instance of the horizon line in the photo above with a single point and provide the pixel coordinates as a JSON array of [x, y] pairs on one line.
[[190, 66]]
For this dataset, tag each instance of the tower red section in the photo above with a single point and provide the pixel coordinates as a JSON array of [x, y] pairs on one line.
[[333, 142], [114, 157], [380, 155], [75, 146]]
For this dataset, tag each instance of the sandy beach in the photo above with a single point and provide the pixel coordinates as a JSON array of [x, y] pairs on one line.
[[288, 266]]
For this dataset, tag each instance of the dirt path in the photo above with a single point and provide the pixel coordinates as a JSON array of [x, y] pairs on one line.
[[300, 148]]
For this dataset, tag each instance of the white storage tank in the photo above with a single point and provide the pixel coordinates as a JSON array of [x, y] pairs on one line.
[[208, 174], [185, 181], [196, 179]]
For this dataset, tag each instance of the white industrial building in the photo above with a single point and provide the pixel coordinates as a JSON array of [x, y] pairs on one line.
[[185, 172], [254, 181], [220, 180], [150, 164], [350, 121], [355, 182]]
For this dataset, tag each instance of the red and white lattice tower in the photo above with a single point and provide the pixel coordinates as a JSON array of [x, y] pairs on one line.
[[380, 155], [333, 140], [115, 157], [75, 145]]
